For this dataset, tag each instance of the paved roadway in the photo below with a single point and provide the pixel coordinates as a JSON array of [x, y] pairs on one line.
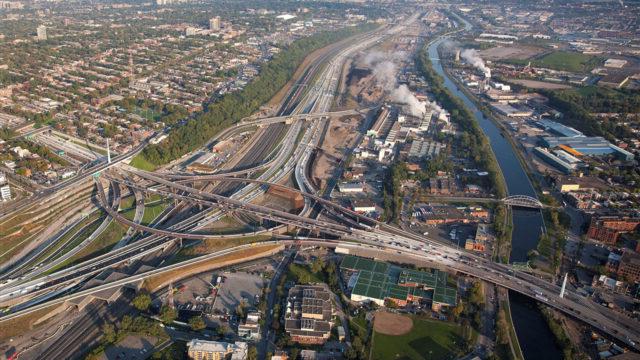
[[625, 330], [67, 186]]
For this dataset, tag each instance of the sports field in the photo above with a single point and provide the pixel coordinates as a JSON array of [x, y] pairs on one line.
[[428, 339], [562, 60]]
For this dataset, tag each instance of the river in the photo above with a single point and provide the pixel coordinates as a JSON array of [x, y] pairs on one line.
[[536, 340]]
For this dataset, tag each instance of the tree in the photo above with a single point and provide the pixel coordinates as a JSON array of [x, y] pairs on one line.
[[316, 266], [252, 354], [476, 294], [109, 333], [544, 245], [126, 323], [197, 323], [142, 301], [240, 310], [167, 314], [458, 310]]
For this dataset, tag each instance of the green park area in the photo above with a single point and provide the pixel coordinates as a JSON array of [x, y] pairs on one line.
[[563, 61], [428, 339]]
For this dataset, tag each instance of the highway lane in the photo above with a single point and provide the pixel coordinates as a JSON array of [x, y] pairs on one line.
[[46, 266], [68, 184], [603, 319]]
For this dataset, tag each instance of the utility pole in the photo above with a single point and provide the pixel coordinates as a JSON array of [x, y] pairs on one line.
[[108, 153], [564, 285]]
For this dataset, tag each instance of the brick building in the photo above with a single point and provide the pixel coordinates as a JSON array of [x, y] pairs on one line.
[[629, 266], [608, 228]]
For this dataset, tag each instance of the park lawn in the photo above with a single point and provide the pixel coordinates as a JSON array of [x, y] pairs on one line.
[[139, 162], [563, 61], [428, 339]]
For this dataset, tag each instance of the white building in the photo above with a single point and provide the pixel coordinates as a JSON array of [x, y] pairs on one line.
[[42, 32], [350, 187], [3, 178], [5, 193], [204, 349]]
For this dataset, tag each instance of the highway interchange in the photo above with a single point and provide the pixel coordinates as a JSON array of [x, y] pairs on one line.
[[299, 124]]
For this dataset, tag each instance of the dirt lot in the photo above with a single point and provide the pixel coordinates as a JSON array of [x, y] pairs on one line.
[[392, 324], [510, 52], [533, 84], [340, 134]]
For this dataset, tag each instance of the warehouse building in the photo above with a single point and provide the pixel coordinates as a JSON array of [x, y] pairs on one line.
[[376, 281], [588, 145], [559, 129], [553, 160]]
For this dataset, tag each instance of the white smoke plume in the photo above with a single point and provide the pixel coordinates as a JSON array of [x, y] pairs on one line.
[[384, 68], [385, 74], [472, 57], [417, 108]]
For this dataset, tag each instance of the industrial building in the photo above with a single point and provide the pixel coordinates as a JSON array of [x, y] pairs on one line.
[[425, 148], [376, 281], [587, 145], [308, 314], [554, 160], [510, 111], [558, 129]]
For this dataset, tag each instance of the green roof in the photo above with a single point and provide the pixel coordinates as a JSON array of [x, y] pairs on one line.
[[379, 280], [421, 278], [356, 263]]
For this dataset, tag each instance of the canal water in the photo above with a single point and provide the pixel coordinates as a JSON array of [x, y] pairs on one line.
[[536, 340]]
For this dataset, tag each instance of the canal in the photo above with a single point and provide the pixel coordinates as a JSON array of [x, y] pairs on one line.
[[536, 340]]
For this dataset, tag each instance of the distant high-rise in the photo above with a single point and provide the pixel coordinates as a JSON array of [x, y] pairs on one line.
[[42, 32], [214, 23]]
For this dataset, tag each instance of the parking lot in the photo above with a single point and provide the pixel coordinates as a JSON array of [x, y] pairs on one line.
[[237, 287]]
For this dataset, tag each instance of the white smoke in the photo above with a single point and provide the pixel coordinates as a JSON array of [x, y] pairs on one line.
[[385, 74], [384, 68], [417, 108], [373, 57], [472, 57]]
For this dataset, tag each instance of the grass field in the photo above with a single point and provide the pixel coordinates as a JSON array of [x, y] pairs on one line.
[[141, 163], [563, 60], [151, 211], [428, 339]]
